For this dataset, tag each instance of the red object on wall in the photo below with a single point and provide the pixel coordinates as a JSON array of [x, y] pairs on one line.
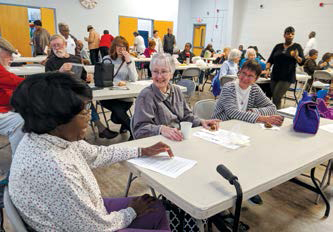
[[321, 4]]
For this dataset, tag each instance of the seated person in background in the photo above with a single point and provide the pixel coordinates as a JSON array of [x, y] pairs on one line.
[[230, 67], [148, 52], [251, 55], [61, 60], [244, 100], [51, 182], [10, 123], [208, 51], [124, 70], [259, 56], [83, 53], [161, 107], [327, 57], [222, 57], [151, 49], [186, 53], [310, 66]]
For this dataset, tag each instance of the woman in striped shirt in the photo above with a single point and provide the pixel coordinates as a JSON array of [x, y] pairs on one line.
[[244, 100]]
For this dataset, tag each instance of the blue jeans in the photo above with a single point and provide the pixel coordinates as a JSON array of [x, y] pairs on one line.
[[11, 125], [94, 114]]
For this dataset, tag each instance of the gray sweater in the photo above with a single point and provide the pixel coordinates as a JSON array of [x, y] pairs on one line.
[[227, 107], [151, 111], [127, 72]]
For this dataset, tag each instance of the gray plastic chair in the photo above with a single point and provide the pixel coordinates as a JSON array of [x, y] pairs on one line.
[[204, 108], [227, 78], [190, 85], [13, 216], [191, 73], [321, 75]]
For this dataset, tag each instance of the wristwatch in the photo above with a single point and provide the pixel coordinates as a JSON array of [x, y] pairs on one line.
[[129, 62]]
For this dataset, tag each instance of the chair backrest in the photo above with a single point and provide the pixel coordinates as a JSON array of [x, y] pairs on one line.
[[227, 78], [132, 126], [13, 216], [189, 84], [204, 108], [191, 72], [322, 75]]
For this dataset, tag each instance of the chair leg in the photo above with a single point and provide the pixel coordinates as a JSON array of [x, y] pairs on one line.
[[153, 192], [104, 116], [131, 178], [326, 175], [93, 129]]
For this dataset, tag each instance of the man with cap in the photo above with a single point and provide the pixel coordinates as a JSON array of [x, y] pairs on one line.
[[10, 122], [40, 39], [93, 44]]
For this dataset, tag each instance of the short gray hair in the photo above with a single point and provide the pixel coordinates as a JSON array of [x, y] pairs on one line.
[[163, 59], [250, 51], [234, 53], [62, 25]]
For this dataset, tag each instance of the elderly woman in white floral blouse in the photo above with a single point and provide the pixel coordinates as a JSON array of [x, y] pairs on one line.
[[51, 182]]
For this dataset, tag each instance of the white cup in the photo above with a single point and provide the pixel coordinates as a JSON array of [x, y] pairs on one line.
[[187, 60], [185, 128]]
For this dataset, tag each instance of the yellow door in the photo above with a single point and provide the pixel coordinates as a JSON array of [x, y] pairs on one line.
[[199, 35], [14, 27], [47, 18], [127, 26], [162, 27]]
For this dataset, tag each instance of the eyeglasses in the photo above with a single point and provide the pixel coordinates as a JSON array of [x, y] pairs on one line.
[[86, 109], [87, 106], [162, 73], [120, 46], [243, 74]]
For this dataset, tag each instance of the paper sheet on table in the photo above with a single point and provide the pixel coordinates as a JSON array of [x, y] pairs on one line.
[[162, 164], [328, 128], [288, 111], [143, 82], [224, 138]]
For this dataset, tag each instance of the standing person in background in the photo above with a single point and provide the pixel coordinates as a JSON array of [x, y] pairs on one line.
[[311, 44], [71, 41], [40, 39], [169, 41], [284, 58], [93, 44], [105, 43], [156, 38], [139, 43]]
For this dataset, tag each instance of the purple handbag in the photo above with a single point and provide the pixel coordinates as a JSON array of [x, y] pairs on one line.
[[307, 117]]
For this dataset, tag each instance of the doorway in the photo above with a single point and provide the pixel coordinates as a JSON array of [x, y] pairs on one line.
[[199, 36]]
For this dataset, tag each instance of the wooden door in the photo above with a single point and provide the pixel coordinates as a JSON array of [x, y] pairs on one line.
[[14, 27], [47, 18], [162, 27], [128, 25], [199, 35]]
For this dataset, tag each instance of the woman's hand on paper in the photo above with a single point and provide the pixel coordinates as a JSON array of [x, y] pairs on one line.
[[156, 149], [212, 124]]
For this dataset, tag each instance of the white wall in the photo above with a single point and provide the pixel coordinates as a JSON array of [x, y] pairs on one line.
[[190, 10], [264, 27], [105, 14]]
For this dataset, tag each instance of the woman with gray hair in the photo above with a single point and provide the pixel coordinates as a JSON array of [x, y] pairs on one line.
[[161, 107], [252, 55], [230, 67]]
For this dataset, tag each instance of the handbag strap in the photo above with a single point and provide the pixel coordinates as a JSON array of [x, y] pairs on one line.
[[118, 69]]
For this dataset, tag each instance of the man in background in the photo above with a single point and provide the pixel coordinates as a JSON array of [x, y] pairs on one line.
[[70, 39], [40, 39], [169, 41], [139, 43], [311, 44]]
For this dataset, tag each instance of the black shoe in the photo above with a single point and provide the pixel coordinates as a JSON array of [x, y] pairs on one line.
[[122, 129], [108, 134], [256, 200]]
